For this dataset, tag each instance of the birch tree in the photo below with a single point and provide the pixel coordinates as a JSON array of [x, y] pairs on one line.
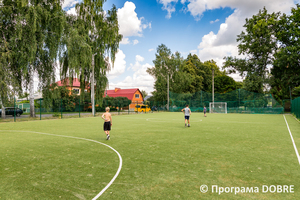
[[30, 37], [92, 37]]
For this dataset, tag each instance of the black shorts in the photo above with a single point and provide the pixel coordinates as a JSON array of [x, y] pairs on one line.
[[187, 117], [106, 126]]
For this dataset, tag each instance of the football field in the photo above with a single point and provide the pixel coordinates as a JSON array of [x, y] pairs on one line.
[[152, 156]]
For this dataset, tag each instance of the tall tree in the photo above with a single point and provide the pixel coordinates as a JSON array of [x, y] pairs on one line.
[[225, 84], [286, 68], [192, 67], [10, 29], [258, 44], [161, 71], [31, 31], [168, 73], [92, 36]]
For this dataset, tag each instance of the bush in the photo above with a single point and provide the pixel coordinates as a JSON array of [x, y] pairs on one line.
[[55, 115]]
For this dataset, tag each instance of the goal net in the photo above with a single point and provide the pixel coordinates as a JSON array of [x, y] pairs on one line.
[[218, 107]]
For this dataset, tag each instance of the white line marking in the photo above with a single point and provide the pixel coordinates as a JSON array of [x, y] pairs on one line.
[[157, 120], [296, 150], [120, 158]]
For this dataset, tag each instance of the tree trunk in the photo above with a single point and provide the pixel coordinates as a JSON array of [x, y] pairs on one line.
[[3, 111], [93, 86], [31, 91]]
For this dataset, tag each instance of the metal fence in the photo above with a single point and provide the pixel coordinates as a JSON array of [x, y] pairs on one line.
[[61, 109], [296, 107], [238, 101]]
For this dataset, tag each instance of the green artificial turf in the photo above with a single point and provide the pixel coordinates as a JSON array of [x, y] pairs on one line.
[[162, 159]]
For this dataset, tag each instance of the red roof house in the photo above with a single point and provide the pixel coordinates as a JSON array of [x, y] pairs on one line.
[[134, 95], [75, 85], [66, 82]]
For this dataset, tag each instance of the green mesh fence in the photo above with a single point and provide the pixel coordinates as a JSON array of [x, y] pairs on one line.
[[238, 101], [296, 107]]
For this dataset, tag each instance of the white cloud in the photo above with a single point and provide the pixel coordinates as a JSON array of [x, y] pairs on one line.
[[193, 52], [151, 50], [135, 42], [218, 45], [69, 3], [139, 58], [137, 65], [214, 21], [197, 7], [119, 65], [169, 6], [72, 11], [140, 79], [125, 41], [130, 24]]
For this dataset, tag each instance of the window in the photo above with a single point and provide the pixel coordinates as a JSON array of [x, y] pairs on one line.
[[76, 91], [137, 96]]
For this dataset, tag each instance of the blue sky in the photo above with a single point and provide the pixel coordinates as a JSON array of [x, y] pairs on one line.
[[205, 28]]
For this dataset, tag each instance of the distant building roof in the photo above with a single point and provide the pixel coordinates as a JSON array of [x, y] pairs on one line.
[[66, 82], [118, 92]]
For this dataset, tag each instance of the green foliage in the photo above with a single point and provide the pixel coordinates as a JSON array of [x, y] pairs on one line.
[[56, 115], [224, 84], [286, 67], [31, 32], [144, 93], [191, 67], [186, 76], [258, 44], [296, 91], [270, 40], [163, 68], [119, 102], [92, 33], [59, 98]]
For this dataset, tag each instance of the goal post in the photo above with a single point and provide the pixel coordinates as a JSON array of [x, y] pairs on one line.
[[218, 107]]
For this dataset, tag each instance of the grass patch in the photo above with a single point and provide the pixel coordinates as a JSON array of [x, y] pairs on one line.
[[162, 159]]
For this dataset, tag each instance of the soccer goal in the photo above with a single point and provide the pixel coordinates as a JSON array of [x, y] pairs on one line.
[[218, 107]]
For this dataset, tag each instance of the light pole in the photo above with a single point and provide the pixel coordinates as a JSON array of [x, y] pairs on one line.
[[93, 85], [213, 87], [168, 94]]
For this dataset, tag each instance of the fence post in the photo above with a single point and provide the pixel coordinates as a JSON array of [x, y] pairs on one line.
[[61, 109], [40, 109], [14, 109], [79, 107], [201, 100]]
